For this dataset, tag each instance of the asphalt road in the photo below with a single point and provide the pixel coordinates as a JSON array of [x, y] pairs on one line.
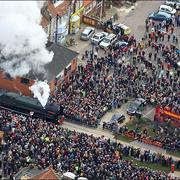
[[136, 18]]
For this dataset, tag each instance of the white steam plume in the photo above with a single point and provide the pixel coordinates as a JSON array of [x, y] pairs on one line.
[[41, 91], [22, 39]]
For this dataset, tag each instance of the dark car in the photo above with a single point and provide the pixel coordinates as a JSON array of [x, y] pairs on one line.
[[122, 45], [117, 118], [136, 106], [160, 16]]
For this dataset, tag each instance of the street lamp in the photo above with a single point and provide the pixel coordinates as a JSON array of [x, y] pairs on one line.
[[56, 34]]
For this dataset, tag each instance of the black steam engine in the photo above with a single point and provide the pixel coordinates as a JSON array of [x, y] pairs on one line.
[[30, 106]]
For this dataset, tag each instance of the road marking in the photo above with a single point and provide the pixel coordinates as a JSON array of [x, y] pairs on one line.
[[149, 112]]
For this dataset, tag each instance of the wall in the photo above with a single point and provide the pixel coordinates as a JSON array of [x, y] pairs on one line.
[[89, 6], [15, 84]]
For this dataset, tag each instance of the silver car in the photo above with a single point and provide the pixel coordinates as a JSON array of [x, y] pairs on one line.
[[87, 33], [97, 38], [172, 3]]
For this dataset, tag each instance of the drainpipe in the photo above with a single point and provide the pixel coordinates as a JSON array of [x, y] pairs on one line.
[[49, 38], [69, 17], [56, 35]]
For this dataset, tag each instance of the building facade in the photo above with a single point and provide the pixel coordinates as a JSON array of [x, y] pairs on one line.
[[63, 17], [55, 20]]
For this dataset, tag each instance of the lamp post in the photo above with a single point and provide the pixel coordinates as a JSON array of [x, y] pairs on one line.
[[101, 10], [56, 32]]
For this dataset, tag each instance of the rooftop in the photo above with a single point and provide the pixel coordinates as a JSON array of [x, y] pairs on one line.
[[36, 174], [62, 57]]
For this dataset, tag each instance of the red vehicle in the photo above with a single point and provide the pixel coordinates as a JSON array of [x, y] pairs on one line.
[[165, 114]]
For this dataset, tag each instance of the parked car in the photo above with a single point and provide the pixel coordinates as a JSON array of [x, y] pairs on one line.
[[125, 30], [172, 3], [167, 9], [87, 33], [97, 38], [113, 122], [160, 16], [117, 118], [136, 106], [107, 41], [143, 101]]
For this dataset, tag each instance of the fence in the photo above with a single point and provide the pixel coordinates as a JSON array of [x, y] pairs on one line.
[[90, 21]]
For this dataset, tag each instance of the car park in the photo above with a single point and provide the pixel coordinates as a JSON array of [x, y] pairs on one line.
[[160, 16], [136, 106], [87, 33], [97, 38], [107, 41], [167, 9]]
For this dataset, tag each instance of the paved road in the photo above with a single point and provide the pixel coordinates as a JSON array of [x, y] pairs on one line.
[[136, 19]]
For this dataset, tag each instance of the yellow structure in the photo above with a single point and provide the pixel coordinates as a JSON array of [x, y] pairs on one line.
[[75, 21]]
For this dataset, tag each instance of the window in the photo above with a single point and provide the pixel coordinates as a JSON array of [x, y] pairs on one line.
[[57, 2], [25, 81], [54, 1], [90, 32], [7, 76]]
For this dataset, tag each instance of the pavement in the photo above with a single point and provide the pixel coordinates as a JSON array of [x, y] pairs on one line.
[[99, 132], [147, 146]]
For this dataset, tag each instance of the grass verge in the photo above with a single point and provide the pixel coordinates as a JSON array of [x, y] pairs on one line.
[[177, 154], [124, 138], [153, 166]]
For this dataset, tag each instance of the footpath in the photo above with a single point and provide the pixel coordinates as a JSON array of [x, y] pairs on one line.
[[99, 132]]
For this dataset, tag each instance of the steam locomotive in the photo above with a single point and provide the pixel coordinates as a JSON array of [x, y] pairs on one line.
[[30, 106]]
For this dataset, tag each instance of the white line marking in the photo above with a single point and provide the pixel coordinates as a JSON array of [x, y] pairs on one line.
[[149, 112]]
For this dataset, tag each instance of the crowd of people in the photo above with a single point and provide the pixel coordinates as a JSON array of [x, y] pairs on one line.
[[102, 84], [107, 82], [165, 137], [29, 141]]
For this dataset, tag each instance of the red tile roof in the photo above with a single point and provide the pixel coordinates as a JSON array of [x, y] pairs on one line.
[[46, 175]]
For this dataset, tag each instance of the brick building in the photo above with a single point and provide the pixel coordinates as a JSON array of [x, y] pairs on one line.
[[59, 69]]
